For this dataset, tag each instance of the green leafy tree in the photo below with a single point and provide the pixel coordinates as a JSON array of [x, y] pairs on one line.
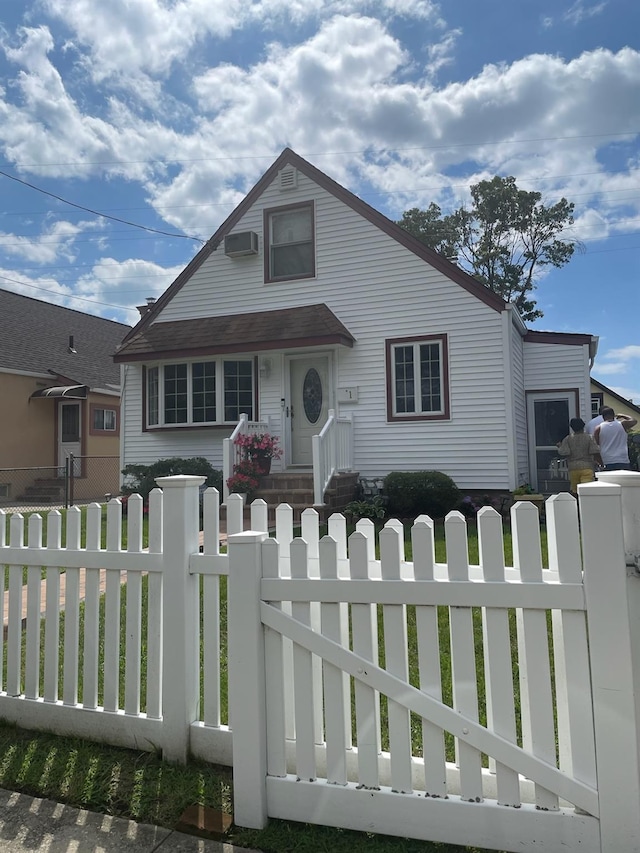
[[504, 239]]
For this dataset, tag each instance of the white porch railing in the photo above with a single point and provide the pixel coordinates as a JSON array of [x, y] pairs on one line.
[[332, 453], [231, 454]]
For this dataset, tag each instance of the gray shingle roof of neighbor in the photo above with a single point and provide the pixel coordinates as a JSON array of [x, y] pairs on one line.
[[34, 337]]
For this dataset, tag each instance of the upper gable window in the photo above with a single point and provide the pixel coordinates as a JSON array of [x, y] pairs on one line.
[[290, 243], [417, 378]]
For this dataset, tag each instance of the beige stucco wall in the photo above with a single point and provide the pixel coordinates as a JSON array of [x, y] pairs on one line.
[[101, 465], [28, 440], [618, 407], [27, 427]]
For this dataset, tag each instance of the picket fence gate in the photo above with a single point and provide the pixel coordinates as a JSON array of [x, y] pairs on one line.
[[543, 719]]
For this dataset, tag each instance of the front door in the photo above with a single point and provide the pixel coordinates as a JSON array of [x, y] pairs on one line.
[[70, 435], [548, 416], [309, 378]]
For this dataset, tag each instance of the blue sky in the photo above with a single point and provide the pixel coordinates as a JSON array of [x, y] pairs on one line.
[[164, 113]]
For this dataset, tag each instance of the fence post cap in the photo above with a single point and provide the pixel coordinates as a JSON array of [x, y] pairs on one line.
[[247, 536], [180, 481], [620, 478], [598, 489]]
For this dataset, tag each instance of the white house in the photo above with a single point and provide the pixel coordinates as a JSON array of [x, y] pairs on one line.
[[314, 314]]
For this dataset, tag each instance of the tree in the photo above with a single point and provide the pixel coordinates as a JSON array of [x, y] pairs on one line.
[[504, 239]]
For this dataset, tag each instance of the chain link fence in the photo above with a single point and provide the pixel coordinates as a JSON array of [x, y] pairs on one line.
[[81, 480]]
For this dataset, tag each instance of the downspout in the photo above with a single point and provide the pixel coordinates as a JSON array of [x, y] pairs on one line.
[[507, 322], [123, 431]]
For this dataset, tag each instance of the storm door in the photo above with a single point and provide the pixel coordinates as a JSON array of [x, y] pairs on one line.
[[548, 417]]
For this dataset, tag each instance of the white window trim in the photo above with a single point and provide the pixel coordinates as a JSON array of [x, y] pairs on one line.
[[219, 362], [268, 226], [443, 413], [104, 410]]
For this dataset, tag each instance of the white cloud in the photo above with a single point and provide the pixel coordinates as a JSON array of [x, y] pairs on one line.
[[625, 354], [112, 288], [345, 90], [150, 35], [581, 11], [611, 368], [54, 242]]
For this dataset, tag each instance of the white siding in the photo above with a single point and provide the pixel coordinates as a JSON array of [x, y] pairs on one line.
[[561, 367], [379, 290]]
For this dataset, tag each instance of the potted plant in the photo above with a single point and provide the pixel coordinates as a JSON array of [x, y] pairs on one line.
[[524, 492], [244, 479], [258, 449]]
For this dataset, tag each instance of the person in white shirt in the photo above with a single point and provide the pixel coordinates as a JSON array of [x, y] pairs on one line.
[[611, 437], [594, 422]]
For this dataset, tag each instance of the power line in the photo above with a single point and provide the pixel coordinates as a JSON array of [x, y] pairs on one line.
[[66, 296], [97, 212], [368, 150]]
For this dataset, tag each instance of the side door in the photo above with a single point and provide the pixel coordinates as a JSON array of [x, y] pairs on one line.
[[70, 435], [548, 416], [309, 407]]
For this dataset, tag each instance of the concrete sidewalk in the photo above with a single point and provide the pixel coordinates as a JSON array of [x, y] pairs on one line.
[[30, 824]]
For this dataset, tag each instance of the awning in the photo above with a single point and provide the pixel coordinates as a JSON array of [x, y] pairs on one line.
[[284, 328], [69, 392]]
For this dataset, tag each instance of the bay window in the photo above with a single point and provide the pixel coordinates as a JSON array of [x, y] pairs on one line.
[[199, 393], [417, 378]]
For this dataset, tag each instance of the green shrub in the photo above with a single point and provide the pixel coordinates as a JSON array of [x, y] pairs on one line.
[[141, 479], [374, 507], [413, 493]]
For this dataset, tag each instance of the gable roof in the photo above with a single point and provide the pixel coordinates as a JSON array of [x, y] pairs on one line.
[[606, 390], [308, 325], [34, 337], [290, 158]]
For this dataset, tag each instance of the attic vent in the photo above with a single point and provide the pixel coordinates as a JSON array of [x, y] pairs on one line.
[[241, 243], [288, 178]]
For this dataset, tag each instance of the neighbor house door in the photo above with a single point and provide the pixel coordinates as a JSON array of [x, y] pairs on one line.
[[548, 415], [70, 435], [309, 383]]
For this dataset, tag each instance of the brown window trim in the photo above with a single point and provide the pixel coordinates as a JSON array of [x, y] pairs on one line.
[[104, 432], [267, 242], [445, 415]]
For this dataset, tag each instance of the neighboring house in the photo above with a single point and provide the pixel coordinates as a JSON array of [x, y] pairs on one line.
[[601, 395], [60, 394], [308, 302]]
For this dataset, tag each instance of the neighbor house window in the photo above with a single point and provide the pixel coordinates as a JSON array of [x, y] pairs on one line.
[[417, 378], [596, 402], [103, 420], [290, 242], [199, 392]]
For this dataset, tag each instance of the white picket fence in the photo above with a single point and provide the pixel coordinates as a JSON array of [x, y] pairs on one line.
[[545, 733]]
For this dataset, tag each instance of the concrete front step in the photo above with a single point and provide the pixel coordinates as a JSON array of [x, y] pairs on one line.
[[296, 489]]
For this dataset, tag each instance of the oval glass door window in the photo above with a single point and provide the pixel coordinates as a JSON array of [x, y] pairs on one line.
[[312, 395]]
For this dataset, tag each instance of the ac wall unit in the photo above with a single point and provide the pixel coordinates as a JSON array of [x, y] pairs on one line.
[[240, 244]]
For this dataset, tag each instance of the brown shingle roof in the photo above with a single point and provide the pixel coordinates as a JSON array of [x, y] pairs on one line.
[[307, 325]]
